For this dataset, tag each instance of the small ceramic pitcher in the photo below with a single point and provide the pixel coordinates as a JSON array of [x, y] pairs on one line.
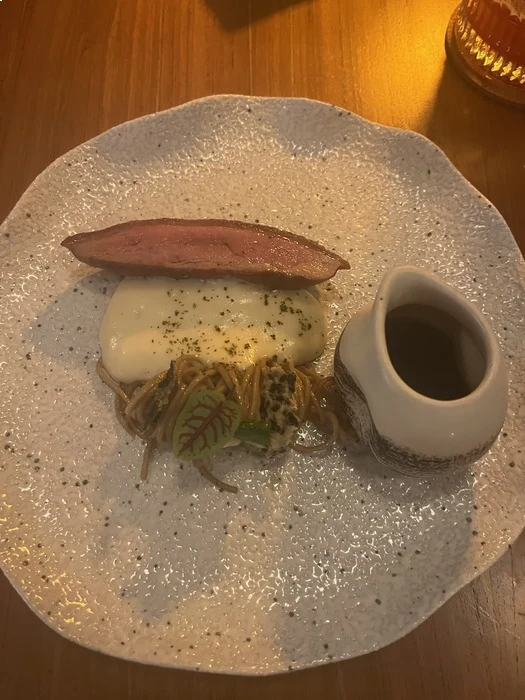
[[422, 375]]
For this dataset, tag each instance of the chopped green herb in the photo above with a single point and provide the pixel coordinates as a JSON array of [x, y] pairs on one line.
[[254, 432]]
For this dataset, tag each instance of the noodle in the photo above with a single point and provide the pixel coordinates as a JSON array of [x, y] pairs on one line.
[[255, 402], [145, 391], [150, 409], [109, 381], [120, 408], [304, 393], [150, 446], [248, 374], [202, 466]]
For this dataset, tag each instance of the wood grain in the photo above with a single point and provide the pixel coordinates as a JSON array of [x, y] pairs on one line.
[[70, 69]]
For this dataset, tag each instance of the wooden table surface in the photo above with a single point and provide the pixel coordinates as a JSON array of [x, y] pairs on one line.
[[70, 69]]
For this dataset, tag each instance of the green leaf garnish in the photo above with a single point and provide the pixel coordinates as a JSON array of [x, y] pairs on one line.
[[205, 424], [254, 432]]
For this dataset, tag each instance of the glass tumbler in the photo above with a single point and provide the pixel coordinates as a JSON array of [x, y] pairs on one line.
[[486, 42]]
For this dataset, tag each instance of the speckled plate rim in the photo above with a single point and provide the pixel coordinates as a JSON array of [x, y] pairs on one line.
[[462, 183], [414, 135]]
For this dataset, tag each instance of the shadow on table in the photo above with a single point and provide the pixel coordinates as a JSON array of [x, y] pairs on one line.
[[234, 14], [473, 129]]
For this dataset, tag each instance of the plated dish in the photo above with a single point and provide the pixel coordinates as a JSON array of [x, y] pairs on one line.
[[208, 341], [317, 557]]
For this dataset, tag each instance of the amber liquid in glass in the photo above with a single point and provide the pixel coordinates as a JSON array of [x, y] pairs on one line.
[[486, 39]]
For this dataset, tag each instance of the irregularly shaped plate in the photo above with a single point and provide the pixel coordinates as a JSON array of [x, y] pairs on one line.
[[316, 559]]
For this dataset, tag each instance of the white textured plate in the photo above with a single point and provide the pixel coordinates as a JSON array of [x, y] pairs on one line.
[[316, 558]]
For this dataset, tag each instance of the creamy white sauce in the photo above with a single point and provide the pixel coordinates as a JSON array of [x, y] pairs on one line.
[[152, 320]]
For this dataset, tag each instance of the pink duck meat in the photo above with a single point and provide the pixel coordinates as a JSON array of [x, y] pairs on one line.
[[206, 249]]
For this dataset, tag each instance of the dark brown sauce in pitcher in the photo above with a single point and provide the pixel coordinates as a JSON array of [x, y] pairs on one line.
[[432, 352]]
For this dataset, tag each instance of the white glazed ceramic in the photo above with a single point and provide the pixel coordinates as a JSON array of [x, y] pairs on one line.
[[404, 429], [317, 558]]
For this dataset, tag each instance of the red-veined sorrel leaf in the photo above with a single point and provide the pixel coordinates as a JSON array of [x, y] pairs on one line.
[[205, 424]]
